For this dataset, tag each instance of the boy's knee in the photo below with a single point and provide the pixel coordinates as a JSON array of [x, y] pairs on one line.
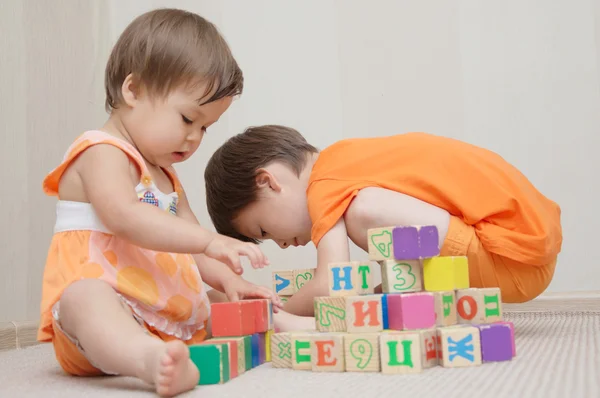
[[527, 284]]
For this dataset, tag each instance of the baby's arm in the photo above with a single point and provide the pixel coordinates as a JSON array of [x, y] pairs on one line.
[[332, 248], [104, 172]]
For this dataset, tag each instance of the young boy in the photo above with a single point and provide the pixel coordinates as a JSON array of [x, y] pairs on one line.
[[269, 183]]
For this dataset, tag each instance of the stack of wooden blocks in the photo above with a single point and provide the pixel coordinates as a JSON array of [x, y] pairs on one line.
[[426, 316], [241, 340]]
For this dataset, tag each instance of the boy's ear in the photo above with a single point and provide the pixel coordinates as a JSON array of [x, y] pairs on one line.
[[130, 90], [264, 179]]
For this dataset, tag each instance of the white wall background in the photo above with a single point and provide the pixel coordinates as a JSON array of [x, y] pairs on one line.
[[520, 77]]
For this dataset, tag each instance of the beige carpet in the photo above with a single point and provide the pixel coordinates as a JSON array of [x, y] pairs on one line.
[[558, 355]]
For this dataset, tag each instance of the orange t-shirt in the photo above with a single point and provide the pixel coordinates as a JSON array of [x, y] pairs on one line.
[[511, 217]]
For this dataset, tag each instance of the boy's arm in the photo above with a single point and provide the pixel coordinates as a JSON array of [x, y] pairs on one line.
[[332, 248]]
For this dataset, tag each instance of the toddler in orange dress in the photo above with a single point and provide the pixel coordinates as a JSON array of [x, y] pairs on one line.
[[123, 288]]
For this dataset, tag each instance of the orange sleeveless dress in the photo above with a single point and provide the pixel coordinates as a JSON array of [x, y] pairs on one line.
[[163, 290]]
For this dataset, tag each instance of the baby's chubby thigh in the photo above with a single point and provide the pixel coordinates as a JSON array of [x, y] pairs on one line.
[[375, 207]]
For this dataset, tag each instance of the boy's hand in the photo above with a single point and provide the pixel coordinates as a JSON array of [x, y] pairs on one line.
[[228, 251], [237, 289]]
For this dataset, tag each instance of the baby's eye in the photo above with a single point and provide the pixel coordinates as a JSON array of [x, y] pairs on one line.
[[186, 120]]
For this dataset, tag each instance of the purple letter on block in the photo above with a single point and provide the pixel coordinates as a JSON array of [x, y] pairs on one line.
[[496, 342], [429, 241], [406, 243]]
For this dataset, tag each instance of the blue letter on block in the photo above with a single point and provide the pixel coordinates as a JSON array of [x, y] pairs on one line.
[[463, 347], [347, 279]]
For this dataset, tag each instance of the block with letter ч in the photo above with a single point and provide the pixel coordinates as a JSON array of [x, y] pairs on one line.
[[403, 243]]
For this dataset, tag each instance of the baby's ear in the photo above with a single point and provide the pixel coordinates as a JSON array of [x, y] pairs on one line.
[[264, 179]]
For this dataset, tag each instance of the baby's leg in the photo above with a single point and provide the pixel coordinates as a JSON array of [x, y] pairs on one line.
[[93, 314], [379, 207]]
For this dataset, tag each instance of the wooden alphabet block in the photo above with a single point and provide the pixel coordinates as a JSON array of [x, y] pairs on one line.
[[479, 306], [255, 343], [327, 352], [400, 352], [284, 299], [512, 335], [233, 318], [262, 348], [445, 308], [301, 350], [401, 276], [445, 273], [232, 350], [302, 277], [361, 352], [330, 314], [380, 243], [342, 279], [268, 336], [212, 360], [410, 311], [237, 354], [429, 350], [281, 350], [365, 284], [282, 283], [364, 314], [497, 342], [460, 346], [415, 242], [263, 316]]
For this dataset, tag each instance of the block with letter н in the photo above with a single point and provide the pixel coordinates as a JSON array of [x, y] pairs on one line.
[[352, 278]]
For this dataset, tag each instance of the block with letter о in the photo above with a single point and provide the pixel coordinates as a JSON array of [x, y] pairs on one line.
[[479, 306]]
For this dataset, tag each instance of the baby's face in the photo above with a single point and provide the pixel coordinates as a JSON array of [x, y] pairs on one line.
[[169, 130], [280, 216]]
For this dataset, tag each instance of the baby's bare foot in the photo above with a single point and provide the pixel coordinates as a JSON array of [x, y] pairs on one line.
[[175, 372]]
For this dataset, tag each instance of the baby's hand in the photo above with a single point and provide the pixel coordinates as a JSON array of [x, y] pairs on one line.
[[229, 250], [237, 289]]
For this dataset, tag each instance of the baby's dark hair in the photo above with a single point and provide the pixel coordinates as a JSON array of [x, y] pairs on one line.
[[167, 47], [230, 175]]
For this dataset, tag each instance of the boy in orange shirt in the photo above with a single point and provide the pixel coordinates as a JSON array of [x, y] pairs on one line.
[[269, 183]]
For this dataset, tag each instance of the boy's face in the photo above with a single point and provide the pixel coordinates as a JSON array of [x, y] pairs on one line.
[[280, 213], [169, 130]]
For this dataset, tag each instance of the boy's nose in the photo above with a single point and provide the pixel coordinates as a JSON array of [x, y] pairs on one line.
[[283, 244]]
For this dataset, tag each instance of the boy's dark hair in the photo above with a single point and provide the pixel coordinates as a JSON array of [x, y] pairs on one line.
[[230, 175], [168, 47]]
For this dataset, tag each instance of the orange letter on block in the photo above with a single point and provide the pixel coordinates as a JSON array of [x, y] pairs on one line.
[[462, 311], [361, 314], [323, 351]]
